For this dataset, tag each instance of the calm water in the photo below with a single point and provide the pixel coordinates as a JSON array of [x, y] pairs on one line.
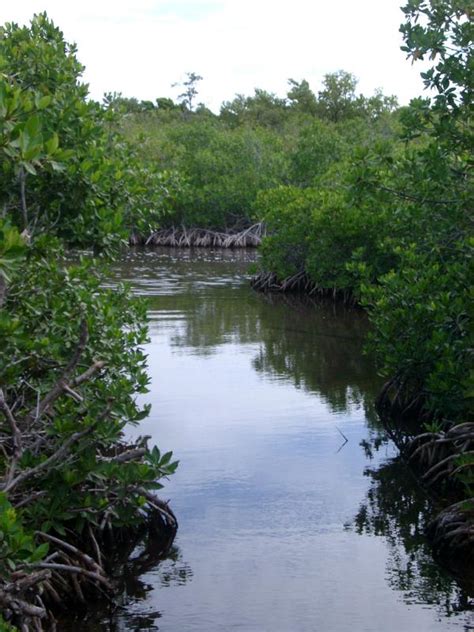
[[283, 526]]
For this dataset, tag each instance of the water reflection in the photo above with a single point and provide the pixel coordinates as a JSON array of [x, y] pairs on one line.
[[279, 529], [202, 302], [397, 508]]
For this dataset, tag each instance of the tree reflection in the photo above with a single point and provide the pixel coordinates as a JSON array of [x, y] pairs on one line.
[[318, 347], [135, 579], [203, 301], [399, 510], [315, 346]]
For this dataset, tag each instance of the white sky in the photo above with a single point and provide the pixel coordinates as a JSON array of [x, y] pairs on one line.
[[141, 47]]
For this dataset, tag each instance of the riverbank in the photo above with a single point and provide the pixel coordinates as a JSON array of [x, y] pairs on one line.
[[300, 283]]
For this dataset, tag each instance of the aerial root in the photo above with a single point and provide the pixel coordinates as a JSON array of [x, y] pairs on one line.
[[299, 282], [452, 534], [182, 237]]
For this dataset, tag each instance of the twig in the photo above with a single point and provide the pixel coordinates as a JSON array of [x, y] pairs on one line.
[[342, 435], [58, 388], [24, 208], [16, 435]]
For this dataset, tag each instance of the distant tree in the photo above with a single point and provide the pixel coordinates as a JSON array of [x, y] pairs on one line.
[[117, 102], [301, 97], [146, 106], [378, 104], [190, 92], [337, 100], [263, 108], [233, 112], [164, 103]]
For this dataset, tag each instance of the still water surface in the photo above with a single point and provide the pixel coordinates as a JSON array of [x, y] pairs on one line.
[[283, 526]]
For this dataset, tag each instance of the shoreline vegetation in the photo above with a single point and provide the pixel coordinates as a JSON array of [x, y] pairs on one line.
[[72, 489], [346, 196]]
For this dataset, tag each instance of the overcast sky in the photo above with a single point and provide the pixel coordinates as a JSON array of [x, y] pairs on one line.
[[141, 47]]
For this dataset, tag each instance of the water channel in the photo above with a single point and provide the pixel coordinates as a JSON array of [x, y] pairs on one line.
[[295, 513]]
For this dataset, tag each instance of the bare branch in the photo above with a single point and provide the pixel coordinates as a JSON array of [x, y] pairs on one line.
[[130, 455], [99, 364], [56, 456], [78, 570], [24, 208]]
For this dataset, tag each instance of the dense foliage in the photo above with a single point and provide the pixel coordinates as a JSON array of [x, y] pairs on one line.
[[389, 223], [92, 188], [71, 364], [386, 220], [255, 144]]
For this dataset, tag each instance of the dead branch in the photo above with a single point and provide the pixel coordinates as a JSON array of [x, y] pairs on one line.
[[129, 455], [83, 377]]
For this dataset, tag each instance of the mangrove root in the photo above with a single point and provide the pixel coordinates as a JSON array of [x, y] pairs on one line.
[[250, 237], [299, 282]]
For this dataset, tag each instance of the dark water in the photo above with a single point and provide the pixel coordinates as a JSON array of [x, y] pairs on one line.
[[283, 526]]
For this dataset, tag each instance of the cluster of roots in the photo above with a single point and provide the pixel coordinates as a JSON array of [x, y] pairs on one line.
[[443, 459], [297, 283], [73, 575], [452, 537], [250, 237], [446, 455], [404, 401], [446, 461]]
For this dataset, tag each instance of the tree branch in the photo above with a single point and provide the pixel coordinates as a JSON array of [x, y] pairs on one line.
[[24, 208], [58, 388], [60, 452], [15, 431]]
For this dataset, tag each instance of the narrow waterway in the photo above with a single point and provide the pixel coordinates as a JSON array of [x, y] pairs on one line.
[[295, 514]]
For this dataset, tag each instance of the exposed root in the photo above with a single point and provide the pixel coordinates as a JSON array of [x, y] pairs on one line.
[[402, 400], [444, 454], [69, 575], [182, 237], [299, 282], [444, 462], [452, 535]]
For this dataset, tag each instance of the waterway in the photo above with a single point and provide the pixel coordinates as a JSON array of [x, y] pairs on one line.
[[295, 512]]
